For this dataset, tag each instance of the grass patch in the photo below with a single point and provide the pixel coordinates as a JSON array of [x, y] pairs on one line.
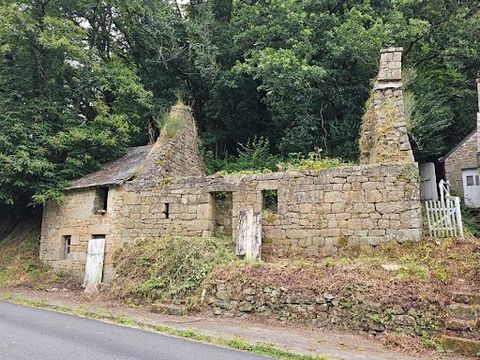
[[168, 268], [19, 262], [312, 162], [172, 124], [236, 343]]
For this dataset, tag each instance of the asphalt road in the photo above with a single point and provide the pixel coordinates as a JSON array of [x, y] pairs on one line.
[[29, 333]]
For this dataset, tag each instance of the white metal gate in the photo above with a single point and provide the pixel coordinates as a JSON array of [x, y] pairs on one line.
[[444, 215], [94, 263]]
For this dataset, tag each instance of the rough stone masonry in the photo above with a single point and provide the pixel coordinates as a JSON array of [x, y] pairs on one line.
[[166, 192]]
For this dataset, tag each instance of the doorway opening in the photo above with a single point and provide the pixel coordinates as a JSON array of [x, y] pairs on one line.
[[222, 212]]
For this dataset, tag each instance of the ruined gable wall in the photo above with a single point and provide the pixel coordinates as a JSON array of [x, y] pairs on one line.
[[176, 151], [384, 137]]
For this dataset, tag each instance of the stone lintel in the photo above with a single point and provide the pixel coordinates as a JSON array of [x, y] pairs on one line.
[[388, 85], [391, 49]]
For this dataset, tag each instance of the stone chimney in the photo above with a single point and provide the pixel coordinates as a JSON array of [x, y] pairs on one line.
[[384, 137], [390, 71], [176, 152]]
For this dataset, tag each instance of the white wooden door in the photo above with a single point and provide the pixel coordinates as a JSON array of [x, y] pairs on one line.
[[94, 263], [471, 187]]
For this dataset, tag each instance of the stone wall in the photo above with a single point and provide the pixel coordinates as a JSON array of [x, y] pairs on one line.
[[76, 216], [317, 212], [477, 83], [320, 309], [384, 137], [463, 157]]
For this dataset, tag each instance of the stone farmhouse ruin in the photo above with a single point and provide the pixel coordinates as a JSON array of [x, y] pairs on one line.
[[162, 189]]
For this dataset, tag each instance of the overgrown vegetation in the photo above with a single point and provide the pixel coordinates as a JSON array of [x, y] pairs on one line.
[[170, 268], [255, 157], [82, 80], [417, 277], [19, 260], [469, 221]]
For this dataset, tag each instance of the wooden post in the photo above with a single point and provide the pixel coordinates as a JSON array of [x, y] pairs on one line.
[[459, 217], [249, 234], [242, 229]]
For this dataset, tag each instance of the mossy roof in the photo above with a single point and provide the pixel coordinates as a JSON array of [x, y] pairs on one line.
[[115, 172]]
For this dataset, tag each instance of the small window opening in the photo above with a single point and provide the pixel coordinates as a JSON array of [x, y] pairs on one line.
[[222, 212], [270, 200], [470, 180], [166, 210], [67, 245], [98, 236], [101, 200], [477, 180]]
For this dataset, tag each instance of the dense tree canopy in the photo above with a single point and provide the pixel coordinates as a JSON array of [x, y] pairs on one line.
[[80, 80]]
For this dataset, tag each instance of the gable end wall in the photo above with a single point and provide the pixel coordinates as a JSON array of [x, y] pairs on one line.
[[465, 157]]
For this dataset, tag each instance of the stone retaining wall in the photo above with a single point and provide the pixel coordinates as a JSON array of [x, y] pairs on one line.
[[325, 310]]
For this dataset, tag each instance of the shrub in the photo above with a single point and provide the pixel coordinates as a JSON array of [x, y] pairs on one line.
[[313, 161], [167, 268]]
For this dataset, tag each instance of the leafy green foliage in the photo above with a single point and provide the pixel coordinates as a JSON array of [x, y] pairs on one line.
[[168, 268], [65, 107], [313, 161], [254, 156], [80, 80]]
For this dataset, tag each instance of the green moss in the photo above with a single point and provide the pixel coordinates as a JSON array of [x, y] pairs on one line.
[[409, 172]]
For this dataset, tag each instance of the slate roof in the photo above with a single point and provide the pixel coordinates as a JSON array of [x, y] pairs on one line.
[[444, 157], [115, 172]]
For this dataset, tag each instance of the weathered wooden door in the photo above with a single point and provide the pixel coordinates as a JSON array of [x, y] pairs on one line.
[[471, 187], [94, 263]]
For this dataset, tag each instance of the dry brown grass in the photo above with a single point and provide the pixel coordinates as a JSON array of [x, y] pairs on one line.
[[19, 259]]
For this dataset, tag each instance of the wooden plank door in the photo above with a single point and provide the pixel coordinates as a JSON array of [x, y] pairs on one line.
[[94, 263]]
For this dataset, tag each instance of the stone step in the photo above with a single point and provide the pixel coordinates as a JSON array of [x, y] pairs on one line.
[[466, 298], [461, 325], [468, 347], [463, 311], [168, 309]]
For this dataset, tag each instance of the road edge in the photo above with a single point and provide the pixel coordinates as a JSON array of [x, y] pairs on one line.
[[235, 343]]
